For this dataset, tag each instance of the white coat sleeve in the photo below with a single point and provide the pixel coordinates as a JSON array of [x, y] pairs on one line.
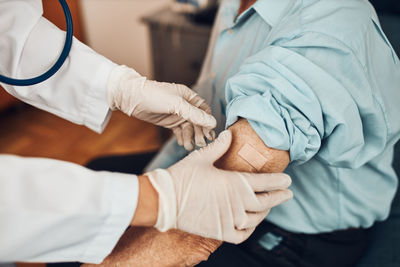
[[55, 211], [30, 45]]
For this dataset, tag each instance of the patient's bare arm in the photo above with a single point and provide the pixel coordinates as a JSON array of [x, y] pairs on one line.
[[143, 247], [148, 247], [242, 134]]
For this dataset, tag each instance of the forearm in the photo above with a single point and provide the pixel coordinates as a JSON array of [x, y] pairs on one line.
[[147, 207], [149, 247]]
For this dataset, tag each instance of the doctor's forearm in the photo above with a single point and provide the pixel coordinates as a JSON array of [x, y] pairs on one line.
[[147, 206]]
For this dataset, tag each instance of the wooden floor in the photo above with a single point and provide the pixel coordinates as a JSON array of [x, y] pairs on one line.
[[26, 131], [34, 133]]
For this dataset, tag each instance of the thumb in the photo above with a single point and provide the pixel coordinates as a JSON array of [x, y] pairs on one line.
[[218, 148]]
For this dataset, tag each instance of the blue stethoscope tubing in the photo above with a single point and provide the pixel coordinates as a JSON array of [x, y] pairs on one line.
[[63, 56]]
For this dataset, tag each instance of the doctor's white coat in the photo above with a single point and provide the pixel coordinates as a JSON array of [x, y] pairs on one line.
[[52, 210]]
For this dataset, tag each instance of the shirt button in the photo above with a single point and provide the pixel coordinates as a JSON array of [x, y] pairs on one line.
[[231, 31], [213, 75]]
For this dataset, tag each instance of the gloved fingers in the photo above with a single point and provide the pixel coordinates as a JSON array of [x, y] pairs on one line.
[[193, 108], [217, 149], [261, 182], [187, 136], [209, 133], [192, 97], [240, 235], [203, 105], [253, 219], [178, 134], [194, 114], [277, 197], [268, 200], [200, 132], [199, 136]]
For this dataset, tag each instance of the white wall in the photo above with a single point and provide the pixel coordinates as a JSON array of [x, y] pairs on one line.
[[113, 28]]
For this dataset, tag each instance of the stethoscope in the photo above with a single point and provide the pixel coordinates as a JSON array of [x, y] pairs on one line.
[[57, 65]]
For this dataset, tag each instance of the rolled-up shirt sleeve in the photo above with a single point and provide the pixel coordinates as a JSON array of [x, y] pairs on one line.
[[309, 95]]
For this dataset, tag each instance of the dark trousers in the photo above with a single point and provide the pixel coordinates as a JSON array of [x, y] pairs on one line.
[[131, 164], [337, 249]]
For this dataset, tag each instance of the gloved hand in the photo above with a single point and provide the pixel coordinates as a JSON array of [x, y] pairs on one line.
[[164, 104], [189, 135], [196, 197]]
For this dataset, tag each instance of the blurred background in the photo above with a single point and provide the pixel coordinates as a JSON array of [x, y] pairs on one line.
[[162, 39], [132, 32]]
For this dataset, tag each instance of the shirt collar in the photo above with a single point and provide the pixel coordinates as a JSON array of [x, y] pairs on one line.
[[272, 10]]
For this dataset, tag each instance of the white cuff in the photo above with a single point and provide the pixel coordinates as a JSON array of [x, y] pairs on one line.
[[167, 211], [97, 112]]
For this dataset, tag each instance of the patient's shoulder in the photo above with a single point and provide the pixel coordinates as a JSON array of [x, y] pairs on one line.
[[348, 25], [346, 20]]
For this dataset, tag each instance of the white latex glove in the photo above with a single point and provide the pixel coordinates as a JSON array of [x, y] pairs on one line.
[[189, 135], [164, 104], [196, 197]]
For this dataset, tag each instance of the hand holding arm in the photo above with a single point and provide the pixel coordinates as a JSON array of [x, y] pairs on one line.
[[199, 198], [149, 247]]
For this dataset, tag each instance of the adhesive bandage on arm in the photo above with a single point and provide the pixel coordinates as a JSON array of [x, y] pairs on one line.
[[253, 157]]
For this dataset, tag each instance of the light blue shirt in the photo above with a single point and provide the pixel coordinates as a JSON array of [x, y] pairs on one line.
[[320, 79]]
